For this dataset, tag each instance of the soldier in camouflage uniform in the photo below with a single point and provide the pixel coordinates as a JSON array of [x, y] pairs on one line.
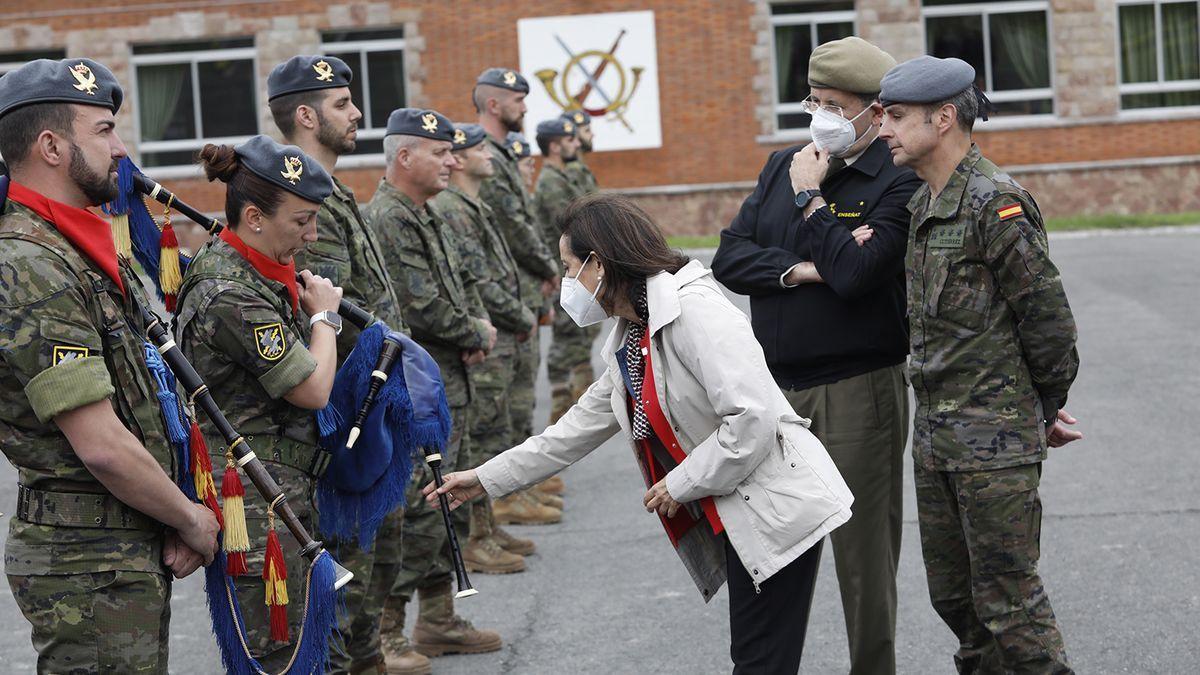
[[580, 173], [490, 548], [243, 323], [441, 305], [993, 355], [570, 362], [499, 98], [310, 101], [100, 527]]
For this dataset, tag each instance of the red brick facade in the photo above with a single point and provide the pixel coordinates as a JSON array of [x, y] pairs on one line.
[[712, 91]]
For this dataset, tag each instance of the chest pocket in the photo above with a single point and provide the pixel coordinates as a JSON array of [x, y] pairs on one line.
[[962, 294]]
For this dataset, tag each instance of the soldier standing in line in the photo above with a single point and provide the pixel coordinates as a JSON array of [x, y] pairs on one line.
[[526, 164], [490, 549], [576, 168], [570, 362], [992, 358], [499, 98], [100, 524], [266, 347], [309, 98], [448, 318]]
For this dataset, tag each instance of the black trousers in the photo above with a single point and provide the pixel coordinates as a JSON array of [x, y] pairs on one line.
[[767, 629]]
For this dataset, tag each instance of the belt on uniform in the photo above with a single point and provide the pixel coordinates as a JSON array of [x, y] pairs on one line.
[[79, 509], [312, 460]]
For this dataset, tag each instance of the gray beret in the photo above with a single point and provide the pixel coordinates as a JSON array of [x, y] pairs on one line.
[[68, 81], [556, 128], [580, 118], [308, 73], [286, 166], [926, 79], [504, 78], [851, 64], [417, 122], [517, 143], [468, 136]]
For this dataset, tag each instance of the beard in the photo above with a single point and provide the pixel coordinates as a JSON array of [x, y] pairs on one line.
[[98, 188], [585, 146], [513, 124], [335, 139]]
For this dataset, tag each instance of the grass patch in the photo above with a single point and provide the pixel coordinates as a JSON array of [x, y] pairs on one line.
[[1108, 221]]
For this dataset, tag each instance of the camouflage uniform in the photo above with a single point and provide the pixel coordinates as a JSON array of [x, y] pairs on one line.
[[350, 256], [239, 331], [492, 264], [85, 569], [993, 355], [581, 174], [570, 362], [445, 314], [505, 194]]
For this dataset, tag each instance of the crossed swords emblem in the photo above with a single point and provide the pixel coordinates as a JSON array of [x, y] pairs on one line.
[[614, 105]]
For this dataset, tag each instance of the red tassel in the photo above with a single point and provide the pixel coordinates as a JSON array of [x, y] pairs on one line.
[[235, 564], [169, 301], [275, 579], [206, 490]]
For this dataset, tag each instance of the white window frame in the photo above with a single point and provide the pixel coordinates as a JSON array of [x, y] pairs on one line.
[[1160, 85], [986, 11], [364, 47], [192, 58], [812, 20]]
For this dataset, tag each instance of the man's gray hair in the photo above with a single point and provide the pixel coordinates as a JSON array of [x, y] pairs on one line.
[[966, 104], [393, 143]]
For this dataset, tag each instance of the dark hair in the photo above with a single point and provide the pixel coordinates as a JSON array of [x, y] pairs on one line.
[[867, 99], [624, 238], [543, 143], [966, 105], [21, 127], [221, 163], [283, 108]]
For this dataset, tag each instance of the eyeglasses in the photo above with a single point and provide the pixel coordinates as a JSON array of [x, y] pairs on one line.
[[811, 105]]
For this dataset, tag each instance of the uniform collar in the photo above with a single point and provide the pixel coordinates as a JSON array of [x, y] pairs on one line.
[[270, 269], [422, 214], [341, 191], [86, 231], [947, 204]]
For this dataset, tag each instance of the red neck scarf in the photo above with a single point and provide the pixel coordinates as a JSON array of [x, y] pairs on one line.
[[88, 233], [284, 274]]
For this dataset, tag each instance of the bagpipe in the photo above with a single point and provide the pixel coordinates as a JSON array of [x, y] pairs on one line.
[[378, 415]]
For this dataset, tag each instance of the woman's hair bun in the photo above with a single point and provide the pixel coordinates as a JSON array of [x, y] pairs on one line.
[[220, 162]]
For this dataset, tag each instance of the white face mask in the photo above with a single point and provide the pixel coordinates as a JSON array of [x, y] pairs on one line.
[[833, 133], [581, 307]]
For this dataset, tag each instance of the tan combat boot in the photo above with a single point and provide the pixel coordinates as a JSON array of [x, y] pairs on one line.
[[398, 652], [553, 485], [506, 541], [520, 508], [560, 401], [482, 553], [440, 631], [545, 498]]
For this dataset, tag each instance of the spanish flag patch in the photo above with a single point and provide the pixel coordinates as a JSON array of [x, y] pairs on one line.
[[1010, 212]]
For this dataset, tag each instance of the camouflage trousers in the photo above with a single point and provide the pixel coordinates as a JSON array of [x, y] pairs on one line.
[[358, 606], [112, 622], [521, 397], [392, 549], [570, 363], [980, 536]]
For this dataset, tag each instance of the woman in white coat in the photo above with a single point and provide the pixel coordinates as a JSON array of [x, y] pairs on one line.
[[744, 491]]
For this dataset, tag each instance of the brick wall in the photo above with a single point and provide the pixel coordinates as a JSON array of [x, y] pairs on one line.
[[715, 89]]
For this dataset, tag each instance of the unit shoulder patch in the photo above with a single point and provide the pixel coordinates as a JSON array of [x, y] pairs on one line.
[[269, 340], [1010, 211], [64, 353]]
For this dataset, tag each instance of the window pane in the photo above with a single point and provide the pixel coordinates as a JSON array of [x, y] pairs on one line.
[[172, 158], [794, 121], [1035, 107], [935, 3], [354, 60], [368, 34], [793, 45], [1020, 51], [1138, 59], [166, 109], [227, 98], [1160, 100], [809, 7], [386, 73], [828, 32], [957, 36], [194, 46], [1181, 41], [368, 146]]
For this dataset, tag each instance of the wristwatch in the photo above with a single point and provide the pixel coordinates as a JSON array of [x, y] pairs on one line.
[[803, 198], [327, 317]]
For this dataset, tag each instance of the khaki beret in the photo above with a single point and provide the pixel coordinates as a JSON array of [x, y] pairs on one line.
[[851, 64]]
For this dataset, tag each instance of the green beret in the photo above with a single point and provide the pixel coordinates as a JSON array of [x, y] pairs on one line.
[[307, 73], [851, 64], [417, 122], [81, 81], [285, 166]]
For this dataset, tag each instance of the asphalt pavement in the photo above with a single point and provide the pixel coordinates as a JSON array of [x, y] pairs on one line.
[[1120, 539]]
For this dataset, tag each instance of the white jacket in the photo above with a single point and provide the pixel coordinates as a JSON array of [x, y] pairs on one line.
[[776, 489]]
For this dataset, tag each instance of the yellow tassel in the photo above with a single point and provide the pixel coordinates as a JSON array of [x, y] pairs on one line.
[[237, 539], [169, 276], [121, 240]]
